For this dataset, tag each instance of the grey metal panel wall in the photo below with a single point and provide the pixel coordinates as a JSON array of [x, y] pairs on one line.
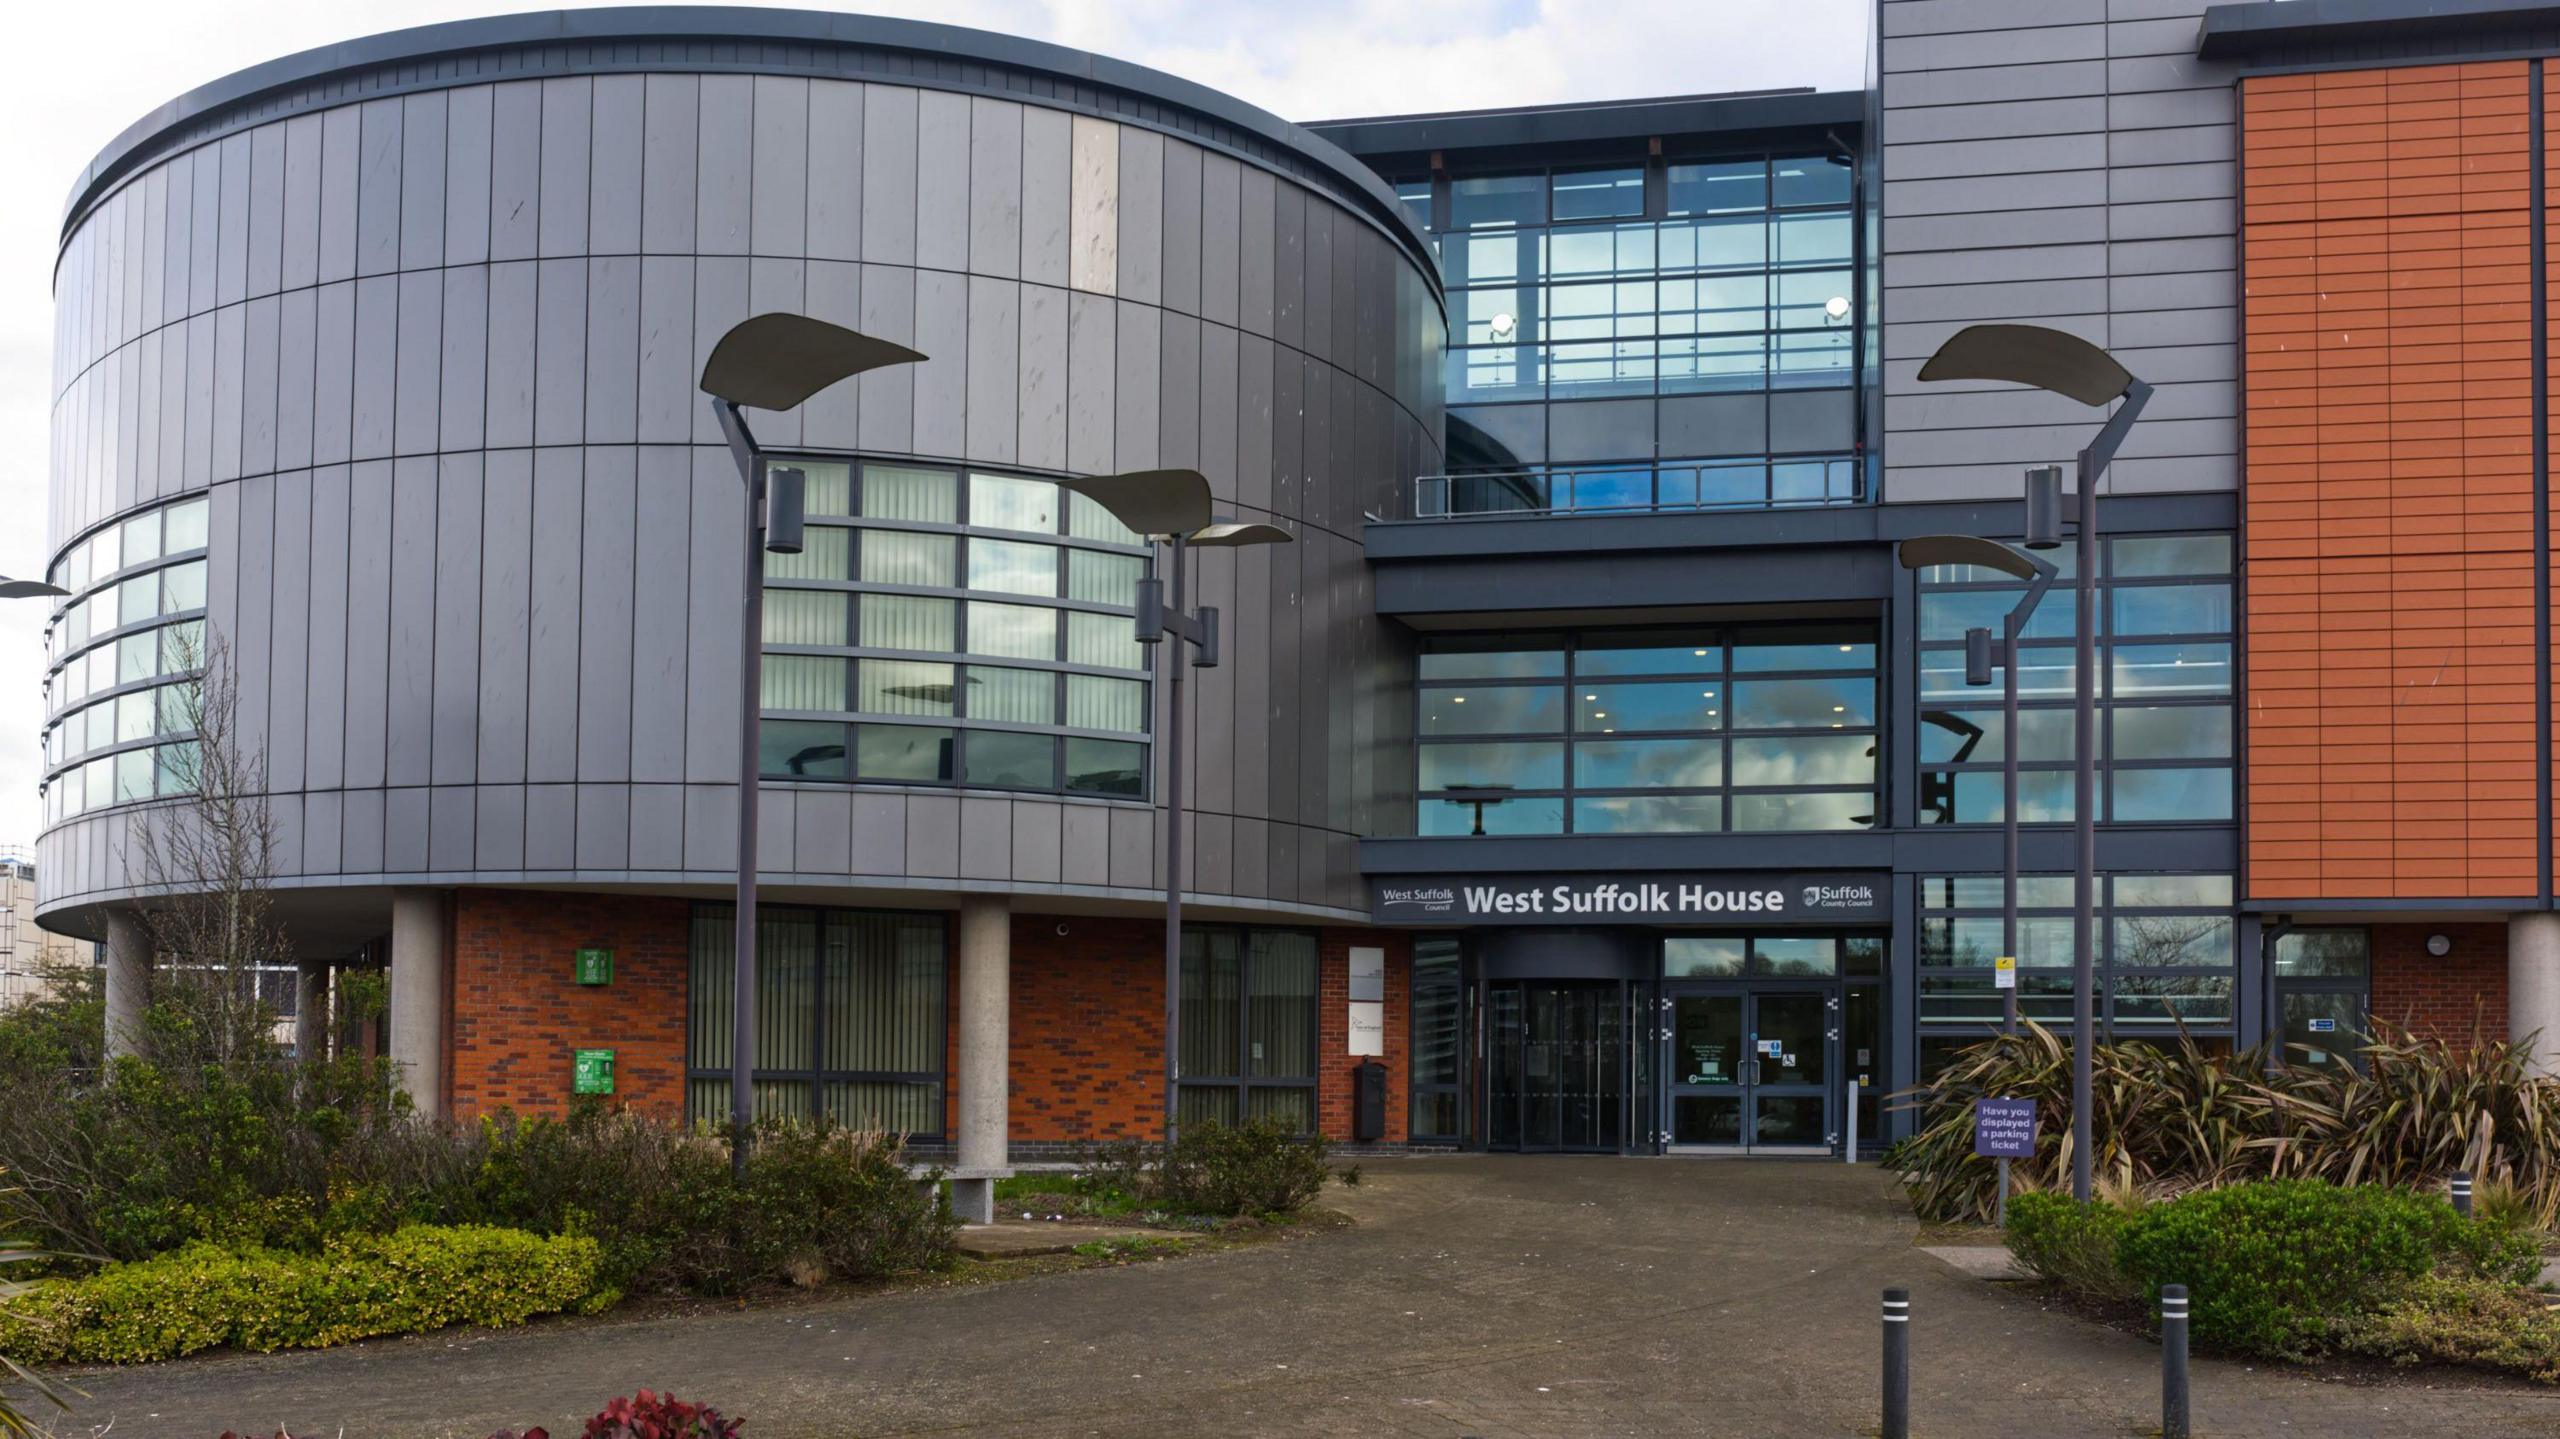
[[2080, 153], [476, 544]]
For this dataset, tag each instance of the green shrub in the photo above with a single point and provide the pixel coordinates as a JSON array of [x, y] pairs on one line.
[[2070, 1245], [842, 1199], [2273, 1268], [1223, 1170], [203, 1295], [2469, 1321]]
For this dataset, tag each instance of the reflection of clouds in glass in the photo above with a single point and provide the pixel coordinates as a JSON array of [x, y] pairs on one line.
[[1803, 704], [1013, 568], [1658, 764], [1687, 704], [1811, 759]]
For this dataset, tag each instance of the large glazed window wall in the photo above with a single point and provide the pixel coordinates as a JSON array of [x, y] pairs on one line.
[[2164, 690], [123, 654], [955, 627], [1761, 727]]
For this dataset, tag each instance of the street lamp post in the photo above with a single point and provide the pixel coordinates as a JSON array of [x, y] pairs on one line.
[[1173, 506], [2065, 364], [772, 361], [1931, 550]]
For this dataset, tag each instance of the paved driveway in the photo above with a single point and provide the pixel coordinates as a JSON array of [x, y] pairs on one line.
[[1478, 1296]]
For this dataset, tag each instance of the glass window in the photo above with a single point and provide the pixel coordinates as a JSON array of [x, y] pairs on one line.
[[1494, 709], [136, 714], [1805, 760], [104, 607], [177, 767], [106, 551], [893, 557], [1415, 197], [2198, 669], [1643, 764], [1796, 956], [1648, 653], [1804, 811], [851, 1008], [1813, 180], [181, 647], [2323, 954], [138, 598], [2170, 555], [176, 705], [829, 489], [1106, 640], [1497, 200], [1648, 813], [2172, 941], [1696, 957], [1814, 239], [1719, 187], [904, 752], [1094, 702], [1025, 632], [185, 528], [903, 687], [141, 539], [804, 682], [803, 617], [137, 657], [1797, 650], [801, 749], [1491, 813], [893, 492], [2173, 610], [1949, 736], [1438, 1049], [1597, 194], [1489, 658], [826, 553], [908, 622], [1632, 708], [1012, 567], [1098, 578], [1006, 502], [1010, 696], [1533, 765], [2168, 731], [1101, 766], [2170, 794], [182, 587], [1803, 704], [1003, 760]]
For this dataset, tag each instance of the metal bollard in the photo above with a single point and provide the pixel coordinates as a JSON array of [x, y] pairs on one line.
[[2173, 1362], [1897, 1364], [2462, 1195]]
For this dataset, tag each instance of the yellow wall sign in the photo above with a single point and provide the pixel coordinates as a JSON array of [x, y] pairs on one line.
[[2004, 972]]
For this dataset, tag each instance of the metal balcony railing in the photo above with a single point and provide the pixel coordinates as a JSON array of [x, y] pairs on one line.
[[1638, 489]]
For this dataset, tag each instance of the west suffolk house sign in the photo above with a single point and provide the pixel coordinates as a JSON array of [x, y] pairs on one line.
[[1650, 899]]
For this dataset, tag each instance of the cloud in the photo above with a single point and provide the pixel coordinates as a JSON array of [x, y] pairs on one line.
[[79, 74]]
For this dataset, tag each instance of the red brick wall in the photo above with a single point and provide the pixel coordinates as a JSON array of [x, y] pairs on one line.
[[1087, 1028], [1087, 1023], [2455, 997], [518, 1009]]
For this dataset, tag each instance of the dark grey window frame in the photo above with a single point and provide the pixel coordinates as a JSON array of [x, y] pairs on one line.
[[1725, 674], [2049, 1003], [960, 724], [2360, 985], [816, 1076], [1453, 990], [1245, 1084], [2110, 703]]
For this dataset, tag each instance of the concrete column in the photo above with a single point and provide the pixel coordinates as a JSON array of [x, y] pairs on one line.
[[311, 1014], [978, 1124], [2533, 986], [128, 965], [420, 996]]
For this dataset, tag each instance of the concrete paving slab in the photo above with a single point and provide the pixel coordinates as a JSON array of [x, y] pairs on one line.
[[1558, 1297], [1979, 1260], [1018, 1239]]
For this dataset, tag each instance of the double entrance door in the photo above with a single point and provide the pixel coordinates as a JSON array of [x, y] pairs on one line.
[[1750, 1070], [1556, 1061]]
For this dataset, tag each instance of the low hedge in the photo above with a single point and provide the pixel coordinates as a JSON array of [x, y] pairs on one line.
[[205, 1295], [2070, 1245], [2275, 1267]]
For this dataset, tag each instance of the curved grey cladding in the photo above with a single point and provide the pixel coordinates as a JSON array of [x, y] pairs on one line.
[[473, 541]]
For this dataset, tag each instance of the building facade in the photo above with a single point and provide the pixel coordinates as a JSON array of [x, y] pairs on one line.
[[30, 955], [1586, 762]]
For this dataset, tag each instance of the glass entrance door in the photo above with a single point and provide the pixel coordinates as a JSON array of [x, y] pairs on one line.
[[1557, 1070], [1750, 1070]]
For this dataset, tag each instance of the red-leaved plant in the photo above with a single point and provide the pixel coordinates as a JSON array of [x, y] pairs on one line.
[[660, 1416]]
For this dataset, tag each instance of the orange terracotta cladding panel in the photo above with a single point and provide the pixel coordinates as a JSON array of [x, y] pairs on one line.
[[2386, 242]]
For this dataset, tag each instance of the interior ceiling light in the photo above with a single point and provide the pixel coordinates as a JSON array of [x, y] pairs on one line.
[[1835, 308], [1504, 322]]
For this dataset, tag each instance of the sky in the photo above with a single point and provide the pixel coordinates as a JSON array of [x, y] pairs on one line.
[[78, 74]]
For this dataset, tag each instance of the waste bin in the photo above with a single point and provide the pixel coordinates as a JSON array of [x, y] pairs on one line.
[[1369, 1102]]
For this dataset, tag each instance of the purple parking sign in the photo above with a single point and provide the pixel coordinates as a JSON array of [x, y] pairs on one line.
[[2004, 1128]]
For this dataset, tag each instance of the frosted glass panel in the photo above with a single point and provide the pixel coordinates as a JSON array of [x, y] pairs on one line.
[[1013, 696], [1104, 640], [907, 622], [826, 554], [1097, 703], [891, 557], [904, 687], [803, 682], [892, 492], [803, 617]]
